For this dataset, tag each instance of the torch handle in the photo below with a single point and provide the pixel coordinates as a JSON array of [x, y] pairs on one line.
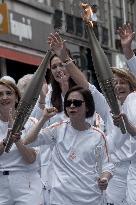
[[122, 126], [28, 100]]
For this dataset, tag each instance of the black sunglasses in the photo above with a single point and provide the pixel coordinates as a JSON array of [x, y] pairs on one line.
[[76, 103]]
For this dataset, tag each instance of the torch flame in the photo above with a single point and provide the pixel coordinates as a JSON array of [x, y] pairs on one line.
[[87, 13]]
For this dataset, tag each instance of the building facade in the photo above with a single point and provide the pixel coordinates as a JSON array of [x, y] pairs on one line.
[[23, 47], [30, 22]]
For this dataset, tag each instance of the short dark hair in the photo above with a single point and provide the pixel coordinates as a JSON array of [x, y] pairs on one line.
[[87, 96]]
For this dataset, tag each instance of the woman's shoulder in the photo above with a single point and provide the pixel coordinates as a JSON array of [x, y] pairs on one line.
[[59, 124], [99, 133], [97, 130], [131, 98]]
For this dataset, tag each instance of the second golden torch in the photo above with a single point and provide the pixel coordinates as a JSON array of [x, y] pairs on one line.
[[28, 101], [101, 65]]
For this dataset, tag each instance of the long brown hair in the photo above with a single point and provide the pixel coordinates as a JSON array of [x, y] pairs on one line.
[[56, 98]]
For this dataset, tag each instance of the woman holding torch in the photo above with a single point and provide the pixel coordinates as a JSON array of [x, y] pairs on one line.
[[19, 179], [75, 157], [119, 149]]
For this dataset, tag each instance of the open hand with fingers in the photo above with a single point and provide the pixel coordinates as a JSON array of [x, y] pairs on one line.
[[126, 35], [57, 44]]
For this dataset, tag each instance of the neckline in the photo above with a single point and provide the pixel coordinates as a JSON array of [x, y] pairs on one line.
[[86, 130]]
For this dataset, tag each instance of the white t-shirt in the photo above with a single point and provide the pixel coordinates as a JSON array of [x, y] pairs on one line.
[[78, 158], [129, 108], [118, 146], [13, 160], [132, 64]]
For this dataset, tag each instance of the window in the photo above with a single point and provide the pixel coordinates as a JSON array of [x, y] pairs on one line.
[[105, 36], [130, 13], [118, 22], [118, 45], [57, 19], [69, 24], [118, 18], [79, 26]]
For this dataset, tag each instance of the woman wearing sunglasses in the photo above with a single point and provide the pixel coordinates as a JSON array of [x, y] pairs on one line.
[[80, 159], [121, 151]]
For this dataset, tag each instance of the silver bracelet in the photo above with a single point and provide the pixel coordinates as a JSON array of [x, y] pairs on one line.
[[68, 61]]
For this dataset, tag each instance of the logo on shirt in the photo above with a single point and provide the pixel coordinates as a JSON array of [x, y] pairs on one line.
[[72, 155]]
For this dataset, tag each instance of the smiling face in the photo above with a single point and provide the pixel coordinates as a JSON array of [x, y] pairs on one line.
[[122, 88], [7, 99], [75, 106], [58, 70]]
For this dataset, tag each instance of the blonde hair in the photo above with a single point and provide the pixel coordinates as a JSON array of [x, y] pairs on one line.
[[12, 86], [127, 75], [23, 83], [9, 78]]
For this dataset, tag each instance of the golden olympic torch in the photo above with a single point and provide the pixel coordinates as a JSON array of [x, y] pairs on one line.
[[28, 100], [101, 65]]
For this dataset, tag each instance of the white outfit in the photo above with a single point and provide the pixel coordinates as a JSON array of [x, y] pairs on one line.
[[77, 159], [22, 186], [46, 160], [132, 64], [130, 110], [116, 191], [46, 150]]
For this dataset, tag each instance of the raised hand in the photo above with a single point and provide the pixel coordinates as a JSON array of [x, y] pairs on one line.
[[49, 112], [57, 44], [126, 35]]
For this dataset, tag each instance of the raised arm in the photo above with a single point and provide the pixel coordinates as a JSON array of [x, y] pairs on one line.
[[126, 35], [33, 134], [59, 47]]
